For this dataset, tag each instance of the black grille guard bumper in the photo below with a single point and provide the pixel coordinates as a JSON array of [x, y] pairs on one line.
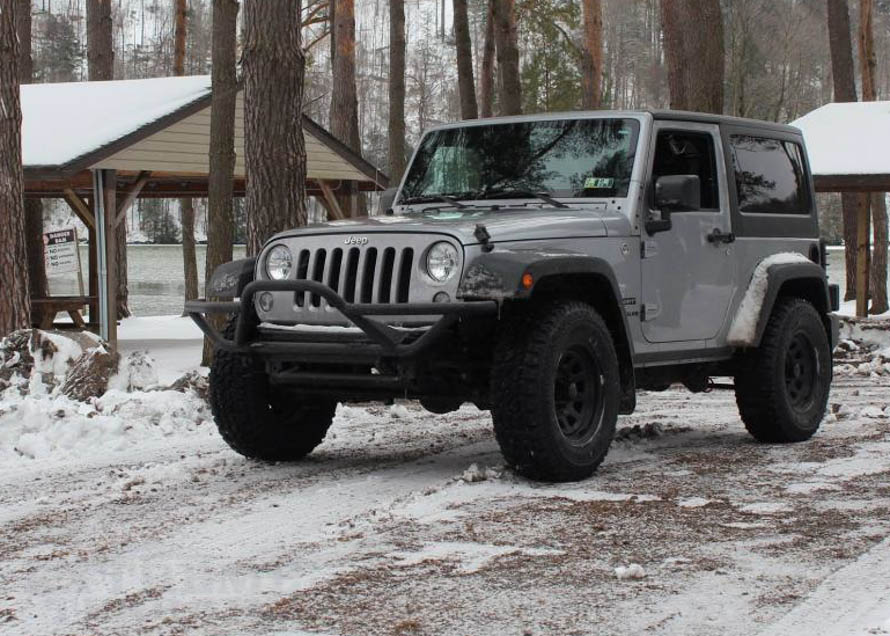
[[381, 339]]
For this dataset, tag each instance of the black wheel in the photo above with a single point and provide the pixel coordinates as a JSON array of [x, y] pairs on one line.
[[782, 387], [256, 420], [555, 391]]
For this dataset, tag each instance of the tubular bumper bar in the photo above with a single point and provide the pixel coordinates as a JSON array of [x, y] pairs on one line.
[[384, 340]]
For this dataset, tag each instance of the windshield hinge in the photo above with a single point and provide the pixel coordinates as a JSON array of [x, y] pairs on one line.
[[482, 235]]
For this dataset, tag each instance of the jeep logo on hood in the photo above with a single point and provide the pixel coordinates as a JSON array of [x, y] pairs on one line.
[[356, 240]]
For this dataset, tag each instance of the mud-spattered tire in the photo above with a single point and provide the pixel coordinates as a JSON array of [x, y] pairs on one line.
[[257, 421], [555, 391], [782, 386]]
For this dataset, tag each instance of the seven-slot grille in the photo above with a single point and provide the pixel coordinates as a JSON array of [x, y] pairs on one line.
[[359, 275]]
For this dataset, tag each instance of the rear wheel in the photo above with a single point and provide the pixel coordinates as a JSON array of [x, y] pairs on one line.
[[555, 391], [782, 386], [257, 420]]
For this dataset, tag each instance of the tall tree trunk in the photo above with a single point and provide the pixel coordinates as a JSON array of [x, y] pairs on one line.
[[465, 83], [186, 206], [275, 151], [694, 48], [220, 208], [706, 57], [869, 63], [14, 304], [843, 75], [100, 67], [344, 98], [39, 287], [592, 58], [675, 52], [505, 35], [486, 73], [100, 48], [396, 91]]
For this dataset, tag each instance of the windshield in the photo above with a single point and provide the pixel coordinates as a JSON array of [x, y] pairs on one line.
[[562, 158]]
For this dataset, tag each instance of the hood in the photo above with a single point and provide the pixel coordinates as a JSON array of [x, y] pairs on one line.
[[506, 224]]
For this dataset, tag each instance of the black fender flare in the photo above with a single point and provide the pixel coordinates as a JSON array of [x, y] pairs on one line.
[[502, 276], [230, 279]]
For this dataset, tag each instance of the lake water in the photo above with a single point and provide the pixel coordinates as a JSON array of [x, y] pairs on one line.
[[157, 286], [155, 277]]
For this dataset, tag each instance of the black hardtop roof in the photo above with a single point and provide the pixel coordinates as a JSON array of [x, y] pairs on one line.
[[658, 115], [711, 118]]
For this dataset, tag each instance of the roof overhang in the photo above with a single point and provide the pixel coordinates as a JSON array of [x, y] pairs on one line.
[[175, 143]]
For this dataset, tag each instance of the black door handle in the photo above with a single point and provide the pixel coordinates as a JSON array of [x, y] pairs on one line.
[[721, 237]]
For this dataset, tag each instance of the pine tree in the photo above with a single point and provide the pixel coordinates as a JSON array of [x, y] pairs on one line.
[[38, 285], [878, 266], [344, 98], [592, 59], [843, 77], [220, 187], [275, 151], [396, 90], [14, 302], [186, 206], [509, 80], [466, 85]]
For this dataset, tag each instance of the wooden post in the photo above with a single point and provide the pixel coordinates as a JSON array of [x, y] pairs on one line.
[[105, 205], [863, 254], [83, 210]]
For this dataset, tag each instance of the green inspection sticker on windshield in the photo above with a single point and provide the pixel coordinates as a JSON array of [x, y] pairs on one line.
[[599, 183]]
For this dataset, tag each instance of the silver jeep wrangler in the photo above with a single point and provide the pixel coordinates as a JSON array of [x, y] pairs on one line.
[[546, 268]]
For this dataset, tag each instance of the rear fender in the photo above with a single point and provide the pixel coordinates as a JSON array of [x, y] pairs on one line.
[[771, 281]]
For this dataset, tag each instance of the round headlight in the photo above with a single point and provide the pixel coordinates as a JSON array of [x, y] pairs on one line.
[[441, 261], [279, 262]]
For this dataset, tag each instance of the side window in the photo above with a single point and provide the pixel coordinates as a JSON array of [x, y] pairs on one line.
[[769, 175], [680, 152]]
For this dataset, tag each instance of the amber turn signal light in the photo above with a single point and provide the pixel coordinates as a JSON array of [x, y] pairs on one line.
[[527, 281]]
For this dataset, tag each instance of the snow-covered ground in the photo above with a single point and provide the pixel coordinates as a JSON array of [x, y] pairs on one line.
[[128, 515]]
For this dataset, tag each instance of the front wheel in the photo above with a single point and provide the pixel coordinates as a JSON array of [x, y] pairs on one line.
[[257, 420], [782, 386], [555, 391]]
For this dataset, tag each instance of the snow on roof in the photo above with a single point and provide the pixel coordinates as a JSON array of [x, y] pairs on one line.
[[61, 122], [848, 138]]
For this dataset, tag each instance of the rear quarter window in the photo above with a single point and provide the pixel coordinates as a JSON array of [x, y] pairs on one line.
[[770, 175]]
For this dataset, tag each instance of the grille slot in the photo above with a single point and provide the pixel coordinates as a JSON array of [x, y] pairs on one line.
[[359, 275], [404, 280]]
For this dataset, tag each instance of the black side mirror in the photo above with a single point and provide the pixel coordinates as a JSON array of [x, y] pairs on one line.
[[387, 197], [674, 193]]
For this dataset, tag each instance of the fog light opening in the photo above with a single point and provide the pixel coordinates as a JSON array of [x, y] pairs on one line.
[[266, 301], [442, 297]]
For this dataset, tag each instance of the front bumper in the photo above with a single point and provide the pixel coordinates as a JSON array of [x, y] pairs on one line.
[[374, 340]]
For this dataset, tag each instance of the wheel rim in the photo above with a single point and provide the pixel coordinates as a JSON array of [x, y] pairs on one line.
[[801, 371], [577, 392]]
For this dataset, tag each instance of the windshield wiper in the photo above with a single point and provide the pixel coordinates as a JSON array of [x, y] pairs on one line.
[[519, 194], [443, 198]]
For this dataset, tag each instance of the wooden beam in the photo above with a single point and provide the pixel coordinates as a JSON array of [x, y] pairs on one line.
[[131, 195], [80, 207], [852, 183], [333, 206], [863, 254]]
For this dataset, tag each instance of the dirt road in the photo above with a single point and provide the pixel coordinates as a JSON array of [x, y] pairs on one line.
[[386, 531]]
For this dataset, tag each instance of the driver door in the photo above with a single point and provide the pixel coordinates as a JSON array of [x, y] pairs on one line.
[[687, 270]]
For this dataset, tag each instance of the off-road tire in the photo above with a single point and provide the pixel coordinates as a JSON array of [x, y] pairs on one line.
[[534, 361], [781, 387], [257, 421]]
